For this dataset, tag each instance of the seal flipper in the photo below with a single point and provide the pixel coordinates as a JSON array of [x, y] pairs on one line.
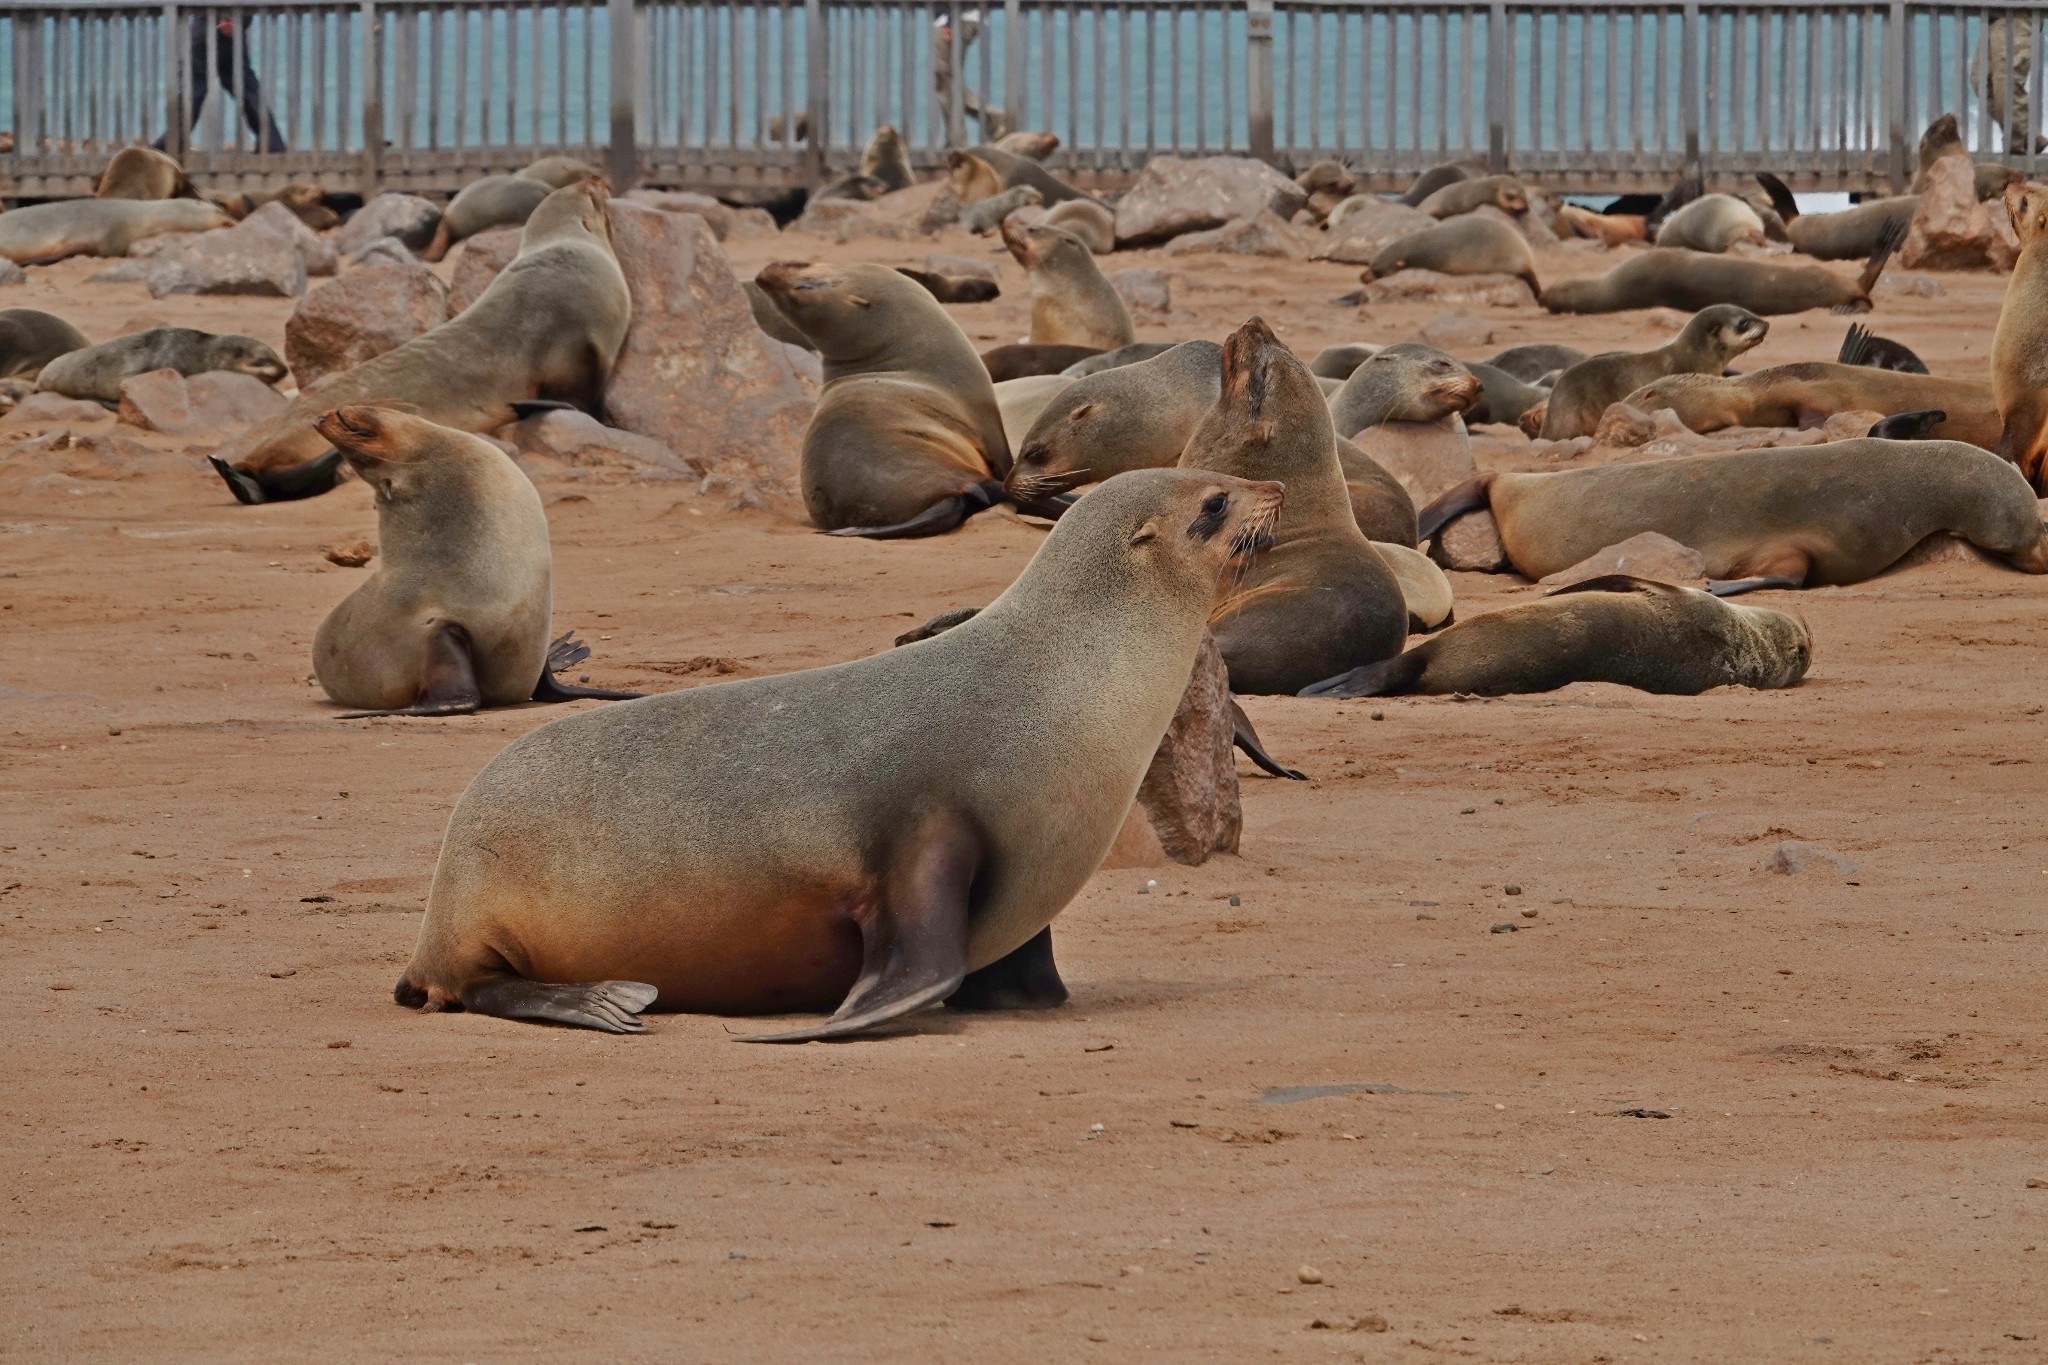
[[566, 652], [1387, 678], [307, 480], [449, 686], [1782, 203], [914, 941], [941, 517], [1908, 426], [1888, 241], [1735, 587], [524, 408], [1027, 979], [608, 1006], [1469, 496], [1246, 738]]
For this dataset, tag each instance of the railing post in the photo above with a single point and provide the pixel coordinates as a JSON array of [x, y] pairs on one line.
[[1895, 95], [817, 87], [373, 101], [1689, 90], [1496, 88], [1013, 65], [177, 119], [623, 24], [1258, 77]]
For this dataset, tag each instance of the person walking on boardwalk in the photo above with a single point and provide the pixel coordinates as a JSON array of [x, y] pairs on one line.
[[231, 67]]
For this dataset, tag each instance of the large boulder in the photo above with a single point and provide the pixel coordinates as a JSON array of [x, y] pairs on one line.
[[1366, 228], [478, 263], [212, 401], [279, 221], [1173, 196], [696, 373], [407, 217], [1261, 234], [725, 221], [370, 310], [234, 260], [1143, 289], [1951, 230]]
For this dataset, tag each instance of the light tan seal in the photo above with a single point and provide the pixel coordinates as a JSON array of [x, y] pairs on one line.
[[1616, 629], [1850, 235], [557, 171], [548, 327], [492, 202], [455, 615], [1088, 220], [815, 840], [45, 233], [143, 173], [1809, 392], [1691, 280], [1321, 601], [1712, 223], [1709, 340], [1785, 517], [1504, 192], [1072, 302], [1468, 245], [2019, 349]]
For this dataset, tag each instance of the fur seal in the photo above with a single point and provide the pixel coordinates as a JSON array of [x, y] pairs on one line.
[[1409, 382], [557, 171], [1023, 359], [987, 215], [1021, 401], [1471, 245], [1424, 589], [143, 173], [1943, 138], [1072, 303], [455, 615], [1436, 177], [814, 840], [1807, 393], [952, 288], [1322, 600], [96, 372], [1086, 219], [1850, 235], [1037, 146], [1609, 229], [1123, 355], [907, 439], [31, 339], [885, 160], [1504, 192], [306, 200], [548, 327], [1617, 629], [1012, 169], [1692, 280], [492, 202], [1338, 362], [2019, 349], [1784, 517], [43, 233], [1712, 223], [1503, 398], [1709, 340], [1859, 347], [973, 179], [1531, 363], [769, 318]]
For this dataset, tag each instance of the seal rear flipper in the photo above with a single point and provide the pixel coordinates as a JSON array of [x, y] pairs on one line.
[[1387, 678], [1246, 738], [1782, 203], [942, 516], [1908, 426], [290, 484], [1735, 587], [1855, 345], [608, 1006], [566, 652], [1470, 496], [448, 685], [938, 625], [1027, 979], [914, 942], [1888, 241]]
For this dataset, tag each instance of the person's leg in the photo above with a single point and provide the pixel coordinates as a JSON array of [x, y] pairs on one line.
[[237, 74]]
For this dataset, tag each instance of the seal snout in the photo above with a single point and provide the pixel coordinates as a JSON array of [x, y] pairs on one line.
[[784, 277], [352, 429]]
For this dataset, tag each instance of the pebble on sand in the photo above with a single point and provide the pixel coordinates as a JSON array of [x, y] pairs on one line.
[[1308, 1274]]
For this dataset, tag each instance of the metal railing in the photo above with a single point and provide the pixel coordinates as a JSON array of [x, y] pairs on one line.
[[1595, 94]]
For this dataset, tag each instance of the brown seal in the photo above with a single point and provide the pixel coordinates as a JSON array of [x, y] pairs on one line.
[[492, 202], [1712, 223], [2019, 350], [557, 171], [1471, 245], [1436, 177], [1670, 278], [1785, 517], [1850, 235], [814, 840], [1072, 302], [1037, 146], [455, 615], [1809, 392], [97, 372], [1709, 340], [1322, 600], [1088, 220], [1504, 192], [1408, 382], [548, 327], [44, 233], [31, 339], [1022, 359], [1616, 629], [1609, 229], [143, 173], [1013, 169]]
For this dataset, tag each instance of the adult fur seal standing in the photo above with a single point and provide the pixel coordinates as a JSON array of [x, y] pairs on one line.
[[1850, 235], [2019, 350], [455, 615], [1072, 303], [1321, 600], [43, 233], [1709, 340], [1470, 245], [814, 839], [1807, 393], [548, 327], [1692, 280], [1784, 517], [31, 339], [1504, 192], [1713, 223], [143, 173], [96, 372], [907, 439], [492, 202], [1616, 629]]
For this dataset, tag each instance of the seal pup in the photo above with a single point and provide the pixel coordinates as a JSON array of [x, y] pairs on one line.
[[1471, 245], [1860, 347], [2019, 349], [1783, 517], [814, 840], [1713, 223], [907, 438], [96, 372], [1709, 340], [1807, 393], [1535, 362], [987, 215], [1321, 600], [45, 233], [143, 173], [1504, 192], [1023, 359], [1850, 235], [455, 615], [492, 202], [548, 327], [1086, 219], [1438, 176], [1670, 278], [1072, 302], [1616, 629], [31, 339]]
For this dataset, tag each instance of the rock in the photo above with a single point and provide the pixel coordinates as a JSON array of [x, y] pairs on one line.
[[279, 221], [370, 310], [133, 270], [1143, 289], [1367, 228], [579, 439], [901, 215], [53, 407], [100, 457], [1456, 332], [1471, 544], [1622, 425], [383, 251], [960, 267], [1363, 1322], [696, 373], [738, 493], [1173, 196], [2005, 243], [1845, 426], [942, 212], [236, 260], [1647, 555], [11, 272], [720, 218], [407, 217], [1792, 856], [1491, 291], [157, 401], [1262, 234], [352, 555], [1428, 458], [1308, 1274], [1189, 795], [478, 263], [220, 399], [1951, 230], [1942, 548], [809, 365]]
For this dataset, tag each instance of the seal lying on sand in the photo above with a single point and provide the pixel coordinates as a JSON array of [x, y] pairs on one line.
[[1616, 629], [1709, 340], [1692, 280], [455, 615], [1470, 245], [43, 233], [1713, 223], [31, 339], [1806, 394], [814, 840], [1849, 235], [96, 372]]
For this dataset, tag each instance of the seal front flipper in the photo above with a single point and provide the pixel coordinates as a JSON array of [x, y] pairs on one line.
[[566, 652], [608, 1006], [1469, 496], [1387, 678], [1246, 738], [1908, 426], [1026, 979], [307, 480], [914, 937], [941, 517], [448, 685]]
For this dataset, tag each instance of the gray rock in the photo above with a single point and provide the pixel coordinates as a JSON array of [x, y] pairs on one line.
[[1792, 856], [236, 260], [383, 251], [45, 406], [1456, 332], [221, 399], [1143, 289], [1368, 225], [577, 438], [478, 263], [278, 220], [11, 272], [157, 401], [1471, 544], [1173, 196], [1189, 794], [1261, 234], [370, 310], [407, 217], [1647, 555]]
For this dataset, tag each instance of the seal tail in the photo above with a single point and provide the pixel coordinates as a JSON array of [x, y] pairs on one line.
[[1887, 242], [1782, 202], [289, 484], [1387, 678], [1470, 496]]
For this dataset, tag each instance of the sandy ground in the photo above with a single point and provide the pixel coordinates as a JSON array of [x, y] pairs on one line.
[[224, 1142]]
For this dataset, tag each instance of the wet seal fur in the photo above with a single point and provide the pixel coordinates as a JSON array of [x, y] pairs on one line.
[[1709, 340], [1669, 277], [1785, 517], [1322, 600], [813, 840], [1072, 302], [96, 372], [31, 339], [43, 233], [1616, 629], [455, 615], [1808, 392]]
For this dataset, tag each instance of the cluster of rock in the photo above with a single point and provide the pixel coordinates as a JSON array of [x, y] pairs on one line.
[[1952, 229]]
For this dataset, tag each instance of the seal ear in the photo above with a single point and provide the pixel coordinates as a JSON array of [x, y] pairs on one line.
[[1148, 531], [1084, 410]]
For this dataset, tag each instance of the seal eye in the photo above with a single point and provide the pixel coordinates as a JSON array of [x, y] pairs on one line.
[[1211, 520]]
